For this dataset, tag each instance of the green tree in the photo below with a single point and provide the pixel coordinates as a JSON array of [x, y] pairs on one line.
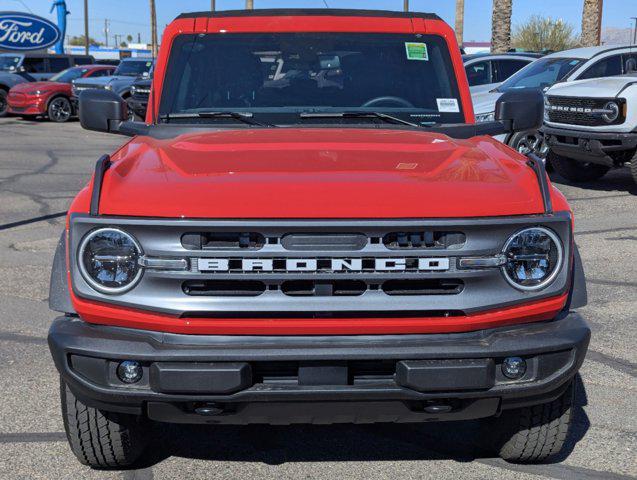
[[79, 41], [544, 33], [129, 38]]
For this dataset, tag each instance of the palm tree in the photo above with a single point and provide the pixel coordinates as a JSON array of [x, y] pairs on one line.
[[153, 29], [249, 4], [501, 26], [591, 22], [459, 20]]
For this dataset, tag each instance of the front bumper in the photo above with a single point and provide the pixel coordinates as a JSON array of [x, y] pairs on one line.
[[586, 146], [260, 379], [35, 107]]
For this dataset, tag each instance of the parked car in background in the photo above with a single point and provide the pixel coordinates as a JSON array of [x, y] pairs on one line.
[[565, 66], [108, 61], [17, 68], [590, 126], [486, 71], [122, 79], [138, 100], [52, 98]]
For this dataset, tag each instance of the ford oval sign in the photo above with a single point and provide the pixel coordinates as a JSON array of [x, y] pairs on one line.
[[23, 31]]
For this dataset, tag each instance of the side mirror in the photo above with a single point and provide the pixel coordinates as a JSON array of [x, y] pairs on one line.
[[102, 110], [520, 110]]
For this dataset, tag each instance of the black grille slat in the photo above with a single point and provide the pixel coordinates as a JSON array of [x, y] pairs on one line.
[[423, 287], [223, 241], [224, 288], [426, 239]]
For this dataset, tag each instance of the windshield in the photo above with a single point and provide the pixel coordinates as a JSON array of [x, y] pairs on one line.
[[134, 68], [541, 74], [68, 75], [270, 75], [9, 63]]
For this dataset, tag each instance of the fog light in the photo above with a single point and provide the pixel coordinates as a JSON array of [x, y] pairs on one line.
[[514, 367], [129, 371]]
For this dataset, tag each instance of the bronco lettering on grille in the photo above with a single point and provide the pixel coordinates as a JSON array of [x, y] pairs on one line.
[[311, 264]]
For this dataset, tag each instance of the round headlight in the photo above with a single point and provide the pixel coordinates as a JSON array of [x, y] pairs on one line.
[[534, 257], [109, 260], [612, 112]]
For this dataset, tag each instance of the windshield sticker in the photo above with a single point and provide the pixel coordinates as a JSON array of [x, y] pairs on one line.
[[448, 105], [416, 51]]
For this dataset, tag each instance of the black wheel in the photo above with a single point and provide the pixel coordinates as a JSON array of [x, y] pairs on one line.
[[4, 106], [529, 141], [576, 171], [534, 434], [60, 109], [132, 116], [633, 167], [101, 439]]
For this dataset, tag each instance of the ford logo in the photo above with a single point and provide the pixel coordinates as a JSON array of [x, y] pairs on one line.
[[23, 31]]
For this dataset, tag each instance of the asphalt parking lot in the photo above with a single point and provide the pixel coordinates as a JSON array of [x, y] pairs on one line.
[[43, 165]]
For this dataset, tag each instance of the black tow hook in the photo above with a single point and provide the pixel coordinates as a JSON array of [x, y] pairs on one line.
[[209, 409]]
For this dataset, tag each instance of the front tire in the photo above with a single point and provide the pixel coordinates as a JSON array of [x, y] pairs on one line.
[[101, 439], [535, 434], [633, 167], [4, 105], [576, 171], [60, 110]]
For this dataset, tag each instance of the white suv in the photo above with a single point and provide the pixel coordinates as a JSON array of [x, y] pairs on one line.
[[565, 66], [590, 126]]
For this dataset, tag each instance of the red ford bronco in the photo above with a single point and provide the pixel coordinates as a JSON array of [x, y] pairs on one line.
[[310, 228]]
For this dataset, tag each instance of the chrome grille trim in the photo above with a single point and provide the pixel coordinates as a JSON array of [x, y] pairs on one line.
[[161, 290]]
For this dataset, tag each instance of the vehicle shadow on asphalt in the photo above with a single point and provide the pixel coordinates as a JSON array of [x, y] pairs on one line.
[[614, 181], [276, 445]]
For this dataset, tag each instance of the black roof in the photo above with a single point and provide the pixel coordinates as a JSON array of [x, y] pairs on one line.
[[296, 12], [471, 56]]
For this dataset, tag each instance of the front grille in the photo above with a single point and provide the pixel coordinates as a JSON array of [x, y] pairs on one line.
[[580, 111], [319, 268], [141, 94]]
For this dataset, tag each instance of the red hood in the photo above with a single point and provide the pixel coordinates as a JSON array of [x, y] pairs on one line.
[[31, 86], [318, 173]]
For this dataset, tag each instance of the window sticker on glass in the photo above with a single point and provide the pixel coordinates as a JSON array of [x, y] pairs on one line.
[[449, 105], [416, 51]]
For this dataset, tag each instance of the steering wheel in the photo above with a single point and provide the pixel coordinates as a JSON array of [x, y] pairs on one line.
[[380, 100]]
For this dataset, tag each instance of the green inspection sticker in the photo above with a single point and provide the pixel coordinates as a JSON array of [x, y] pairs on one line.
[[416, 51]]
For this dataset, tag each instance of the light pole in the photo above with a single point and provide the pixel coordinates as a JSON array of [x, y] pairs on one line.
[[86, 26]]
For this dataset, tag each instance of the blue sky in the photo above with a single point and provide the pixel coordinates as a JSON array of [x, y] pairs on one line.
[[131, 16]]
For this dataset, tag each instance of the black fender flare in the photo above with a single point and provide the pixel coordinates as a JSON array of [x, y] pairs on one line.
[[59, 293], [579, 295]]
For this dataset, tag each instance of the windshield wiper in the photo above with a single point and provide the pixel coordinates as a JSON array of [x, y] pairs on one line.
[[245, 117], [382, 116]]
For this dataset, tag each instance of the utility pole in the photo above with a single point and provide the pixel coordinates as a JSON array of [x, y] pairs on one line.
[[86, 26], [406, 5], [139, 37], [249, 4], [106, 32], [153, 29], [212, 5], [635, 30]]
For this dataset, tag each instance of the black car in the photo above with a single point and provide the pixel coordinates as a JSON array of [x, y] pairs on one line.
[[138, 100]]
